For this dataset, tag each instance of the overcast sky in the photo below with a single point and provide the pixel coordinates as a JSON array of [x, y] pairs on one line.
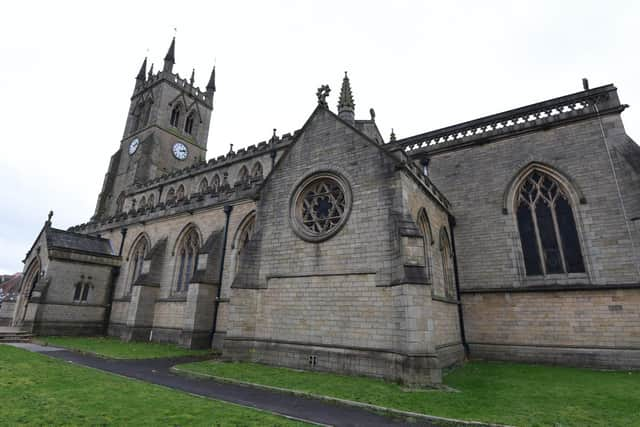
[[67, 71]]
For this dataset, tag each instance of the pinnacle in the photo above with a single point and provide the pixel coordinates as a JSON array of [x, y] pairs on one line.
[[346, 98], [171, 53], [211, 86], [143, 70]]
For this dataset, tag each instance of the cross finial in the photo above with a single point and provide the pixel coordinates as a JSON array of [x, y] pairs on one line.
[[322, 93]]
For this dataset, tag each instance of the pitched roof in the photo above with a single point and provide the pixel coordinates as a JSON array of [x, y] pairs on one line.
[[79, 242], [11, 285]]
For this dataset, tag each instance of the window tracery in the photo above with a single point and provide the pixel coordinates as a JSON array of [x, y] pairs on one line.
[[320, 206], [188, 124], [204, 186], [136, 261], [548, 232], [187, 254], [175, 116]]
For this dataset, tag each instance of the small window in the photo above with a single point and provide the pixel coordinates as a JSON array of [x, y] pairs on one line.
[[81, 291], [204, 186], [243, 175], [78, 292], [175, 116], [120, 203], [180, 193], [188, 124], [171, 196], [151, 201], [256, 172]]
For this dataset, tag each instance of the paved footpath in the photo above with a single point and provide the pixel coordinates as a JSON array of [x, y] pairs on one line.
[[156, 371]]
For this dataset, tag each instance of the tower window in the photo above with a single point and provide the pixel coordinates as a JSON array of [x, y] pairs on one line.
[[188, 125], [175, 116], [548, 233]]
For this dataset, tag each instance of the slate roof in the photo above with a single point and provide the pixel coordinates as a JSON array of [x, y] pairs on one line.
[[79, 242], [11, 286]]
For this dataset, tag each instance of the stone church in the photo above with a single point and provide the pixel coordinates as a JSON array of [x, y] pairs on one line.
[[514, 236]]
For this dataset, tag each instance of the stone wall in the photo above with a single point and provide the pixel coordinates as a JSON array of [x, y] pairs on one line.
[[585, 328]]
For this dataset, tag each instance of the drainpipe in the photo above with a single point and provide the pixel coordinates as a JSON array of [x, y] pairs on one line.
[[227, 212], [463, 337], [115, 272]]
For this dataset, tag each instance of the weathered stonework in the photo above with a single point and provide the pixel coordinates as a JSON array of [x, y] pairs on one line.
[[421, 266]]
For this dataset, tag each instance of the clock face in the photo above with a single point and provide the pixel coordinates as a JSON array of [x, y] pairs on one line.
[[180, 151], [133, 146]]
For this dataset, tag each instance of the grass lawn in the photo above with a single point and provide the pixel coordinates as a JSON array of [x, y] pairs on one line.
[[116, 349], [38, 390], [509, 393]]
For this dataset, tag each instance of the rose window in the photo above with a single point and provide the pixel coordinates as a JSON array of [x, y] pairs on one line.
[[320, 207]]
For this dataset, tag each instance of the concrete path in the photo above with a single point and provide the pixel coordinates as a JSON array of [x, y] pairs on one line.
[[156, 371]]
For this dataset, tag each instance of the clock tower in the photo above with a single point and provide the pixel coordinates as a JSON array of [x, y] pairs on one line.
[[166, 129]]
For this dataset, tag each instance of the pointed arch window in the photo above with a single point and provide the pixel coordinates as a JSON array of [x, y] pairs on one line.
[[151, 201], [204, 186], [425, 228], [136, 261], [446, 256], [171, 196], [143, 202], [180, 193], [245, 235], [256, 172], [215, 183], [175, 116], [188, 124], [146, 111], [120, 203], [187, 260], [243, 174], [547, 227]]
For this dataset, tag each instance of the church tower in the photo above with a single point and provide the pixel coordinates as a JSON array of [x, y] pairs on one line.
[[166, 129]]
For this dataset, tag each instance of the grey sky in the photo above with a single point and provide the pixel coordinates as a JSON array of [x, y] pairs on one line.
[[67, 71]]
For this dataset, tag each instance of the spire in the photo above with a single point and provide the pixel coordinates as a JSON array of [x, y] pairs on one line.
[[143, 70], [170, 57], [346, 106], [193, 76], [151, 71], [392, 137], [211, 86]]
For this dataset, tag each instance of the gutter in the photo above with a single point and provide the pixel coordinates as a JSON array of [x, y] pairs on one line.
[[463, 338]]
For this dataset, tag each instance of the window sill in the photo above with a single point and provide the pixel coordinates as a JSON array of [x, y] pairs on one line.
[[557, 279], [174, 298]]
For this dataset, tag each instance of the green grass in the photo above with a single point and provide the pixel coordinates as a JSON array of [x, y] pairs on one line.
[[116, 349], [518, 394], [38, 390]]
